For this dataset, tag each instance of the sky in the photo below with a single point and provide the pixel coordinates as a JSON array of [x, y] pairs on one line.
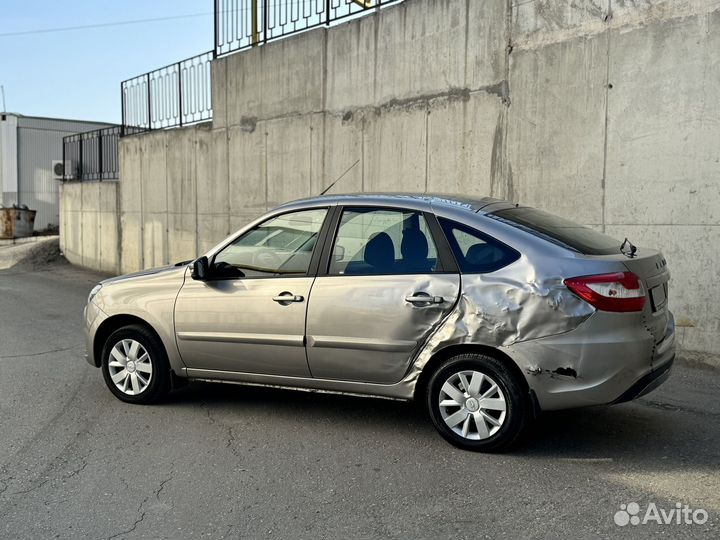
[[77, 73]]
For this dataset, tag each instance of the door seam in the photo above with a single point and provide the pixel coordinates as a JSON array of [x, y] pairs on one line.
[[305, 327]]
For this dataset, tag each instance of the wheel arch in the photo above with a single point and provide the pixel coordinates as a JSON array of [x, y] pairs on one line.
[[113, 323], [453, 350]]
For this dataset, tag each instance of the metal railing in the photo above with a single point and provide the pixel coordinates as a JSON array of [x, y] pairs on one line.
[[181, 93], [174, 95], [243, 23], [93, 155]]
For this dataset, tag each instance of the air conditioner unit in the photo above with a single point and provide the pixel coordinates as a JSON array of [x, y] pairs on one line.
[[62, 170]]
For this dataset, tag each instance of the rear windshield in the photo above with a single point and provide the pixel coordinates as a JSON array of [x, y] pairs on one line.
[[583, 239]]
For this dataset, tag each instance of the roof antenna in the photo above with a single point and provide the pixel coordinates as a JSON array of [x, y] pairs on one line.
[[339, 178], [2, 91], [633, 249]]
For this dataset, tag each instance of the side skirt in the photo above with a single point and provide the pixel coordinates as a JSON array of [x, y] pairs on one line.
[[397, 392]]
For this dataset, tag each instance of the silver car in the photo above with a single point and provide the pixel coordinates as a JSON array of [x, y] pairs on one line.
[[484, 311]]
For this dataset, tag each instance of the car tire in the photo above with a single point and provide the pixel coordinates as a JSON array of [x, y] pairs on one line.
[[476, 403], [135, 365]]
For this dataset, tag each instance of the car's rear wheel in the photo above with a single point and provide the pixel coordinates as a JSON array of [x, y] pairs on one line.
[[477, 403], [135, 366]]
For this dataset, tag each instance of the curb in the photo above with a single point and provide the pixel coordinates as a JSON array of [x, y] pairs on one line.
[[698, 360]]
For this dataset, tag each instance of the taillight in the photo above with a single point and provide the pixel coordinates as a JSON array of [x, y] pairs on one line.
[[621, 291]]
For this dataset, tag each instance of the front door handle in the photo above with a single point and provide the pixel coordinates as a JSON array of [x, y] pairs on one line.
[[287, 297], [424, 298]]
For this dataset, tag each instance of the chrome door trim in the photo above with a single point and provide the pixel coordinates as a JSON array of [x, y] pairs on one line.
[[255, 339], [367, 344]]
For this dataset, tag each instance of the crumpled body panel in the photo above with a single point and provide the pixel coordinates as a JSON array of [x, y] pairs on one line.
[[512, 305]]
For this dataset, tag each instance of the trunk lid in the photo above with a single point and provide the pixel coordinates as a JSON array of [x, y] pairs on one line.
[[651, 267]]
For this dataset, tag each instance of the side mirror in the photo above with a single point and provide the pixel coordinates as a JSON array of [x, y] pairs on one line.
[[200, 269], [339, 253]]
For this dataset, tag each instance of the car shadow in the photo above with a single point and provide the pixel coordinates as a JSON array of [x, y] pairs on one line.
[[636, 433], [639, 435], [282, 403]]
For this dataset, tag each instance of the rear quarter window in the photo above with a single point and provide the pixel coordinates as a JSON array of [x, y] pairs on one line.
[[476, 252], [559, 231]]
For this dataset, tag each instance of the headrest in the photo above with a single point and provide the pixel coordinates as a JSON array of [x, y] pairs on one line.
[[380, 252], [414, 245]]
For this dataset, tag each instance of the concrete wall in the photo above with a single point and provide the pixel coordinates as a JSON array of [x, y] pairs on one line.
[[615, 122], [599, 110], [89, 225]]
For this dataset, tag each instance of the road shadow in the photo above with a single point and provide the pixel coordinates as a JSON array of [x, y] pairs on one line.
[[643, 435], [296, 404]]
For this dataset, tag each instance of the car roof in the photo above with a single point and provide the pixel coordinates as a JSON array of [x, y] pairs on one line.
[[435, 201]]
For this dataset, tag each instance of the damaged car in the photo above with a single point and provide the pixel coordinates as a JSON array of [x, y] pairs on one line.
[[484, 311]]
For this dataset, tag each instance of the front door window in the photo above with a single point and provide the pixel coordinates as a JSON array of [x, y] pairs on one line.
[[279, 247]]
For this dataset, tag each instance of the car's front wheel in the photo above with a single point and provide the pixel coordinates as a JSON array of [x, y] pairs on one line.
[[135, 366], [477, 403]]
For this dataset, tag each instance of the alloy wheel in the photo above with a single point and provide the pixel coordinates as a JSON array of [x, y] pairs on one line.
[[472, 405], [130, 367]]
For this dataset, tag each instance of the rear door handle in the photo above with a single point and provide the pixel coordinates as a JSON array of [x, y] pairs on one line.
[[424, 298], [287, 297]]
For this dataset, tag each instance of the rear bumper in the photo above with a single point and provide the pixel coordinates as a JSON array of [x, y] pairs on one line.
[[648, 383], [608, 359]]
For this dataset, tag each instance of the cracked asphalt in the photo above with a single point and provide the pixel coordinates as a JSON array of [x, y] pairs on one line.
[[219, 461]]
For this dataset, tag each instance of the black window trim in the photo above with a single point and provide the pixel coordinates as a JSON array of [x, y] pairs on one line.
[[446, 261], [314, 258]]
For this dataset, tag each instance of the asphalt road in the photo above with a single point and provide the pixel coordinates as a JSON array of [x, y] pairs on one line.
[[223, 461]]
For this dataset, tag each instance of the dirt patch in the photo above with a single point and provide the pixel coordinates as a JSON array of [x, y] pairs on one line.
[[31, 255]]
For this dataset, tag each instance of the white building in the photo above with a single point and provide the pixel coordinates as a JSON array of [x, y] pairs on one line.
[[28, 147]]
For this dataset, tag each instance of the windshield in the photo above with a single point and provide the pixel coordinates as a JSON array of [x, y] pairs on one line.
[[578, 237]]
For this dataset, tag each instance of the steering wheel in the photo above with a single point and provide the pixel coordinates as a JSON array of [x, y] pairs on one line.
[[266, 259]]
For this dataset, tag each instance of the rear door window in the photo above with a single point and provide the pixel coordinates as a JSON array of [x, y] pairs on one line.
[[558, 230], [475, 252], [372, 241]]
